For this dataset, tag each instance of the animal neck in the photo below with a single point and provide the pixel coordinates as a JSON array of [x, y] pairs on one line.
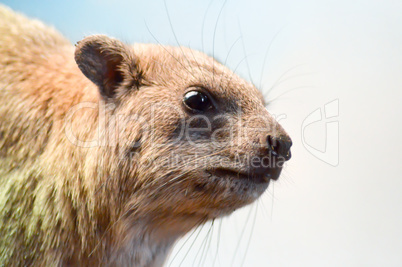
[[146, 242]]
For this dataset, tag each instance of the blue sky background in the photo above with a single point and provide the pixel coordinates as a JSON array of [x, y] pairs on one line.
[[319, 51]]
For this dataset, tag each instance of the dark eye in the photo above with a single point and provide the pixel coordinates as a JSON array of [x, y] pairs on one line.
[[197, 101]]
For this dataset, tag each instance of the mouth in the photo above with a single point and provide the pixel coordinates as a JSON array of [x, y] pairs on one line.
[[257, 176]]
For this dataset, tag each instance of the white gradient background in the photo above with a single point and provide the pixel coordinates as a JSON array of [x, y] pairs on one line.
[[315, 214]]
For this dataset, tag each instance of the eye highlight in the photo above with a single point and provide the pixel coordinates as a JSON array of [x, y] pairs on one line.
[[197, 101]]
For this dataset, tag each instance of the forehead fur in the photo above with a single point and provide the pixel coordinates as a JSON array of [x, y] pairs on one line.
[[182, 67]]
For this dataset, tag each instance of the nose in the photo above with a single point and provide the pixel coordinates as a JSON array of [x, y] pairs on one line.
[[279, 146]]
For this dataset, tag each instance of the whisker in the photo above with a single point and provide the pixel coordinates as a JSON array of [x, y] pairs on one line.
[[199, 66], [272, 204], [188, 163], [226, 59], [234, 71], [204, 245], [251, 233], [288, 91], [266, 56], [281, 77], [218, 241], [263, 207], [244, 51], [184, 243], [231, 48], [203, 24], [241, 237], [287, 79], [174, 180], [213, 39], [192, 244], [209, 243], [168, 51], [174, 33]]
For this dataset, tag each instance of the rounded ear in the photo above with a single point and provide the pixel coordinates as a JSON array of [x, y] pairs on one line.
[[107, 62]]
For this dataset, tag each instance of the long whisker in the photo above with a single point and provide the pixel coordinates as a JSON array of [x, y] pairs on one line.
[[251, 233], [244, 51], [199, 66], [272, 204], [226, 59], [174, 33], [178, 61], [266, 56], [204, 245], [231, 48], [280, 78], [163, 65], [213, 40], [288, 91], [290, 78], [241, 237], [237, 66], [173, 180], [263, 207], [183, 174], [192, 244], [184, 243], [218, 241], [203, 24], [209, 243]]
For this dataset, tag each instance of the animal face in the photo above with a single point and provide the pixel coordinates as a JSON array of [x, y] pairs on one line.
[[192, 138]]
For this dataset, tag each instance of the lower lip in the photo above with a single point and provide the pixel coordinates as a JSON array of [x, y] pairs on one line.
[[252, 177]]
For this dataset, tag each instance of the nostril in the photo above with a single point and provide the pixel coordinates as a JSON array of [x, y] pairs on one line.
[[272, 145], [279, 147]]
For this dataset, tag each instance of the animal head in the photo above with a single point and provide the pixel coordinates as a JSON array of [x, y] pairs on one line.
[[191, 138]]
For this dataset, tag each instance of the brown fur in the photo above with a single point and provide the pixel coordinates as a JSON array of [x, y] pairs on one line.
[[66, 201]]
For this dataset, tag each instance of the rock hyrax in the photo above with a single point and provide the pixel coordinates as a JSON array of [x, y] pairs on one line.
[[111, 152]]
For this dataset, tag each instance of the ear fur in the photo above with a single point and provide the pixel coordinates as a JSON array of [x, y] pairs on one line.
[[107, 62]]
